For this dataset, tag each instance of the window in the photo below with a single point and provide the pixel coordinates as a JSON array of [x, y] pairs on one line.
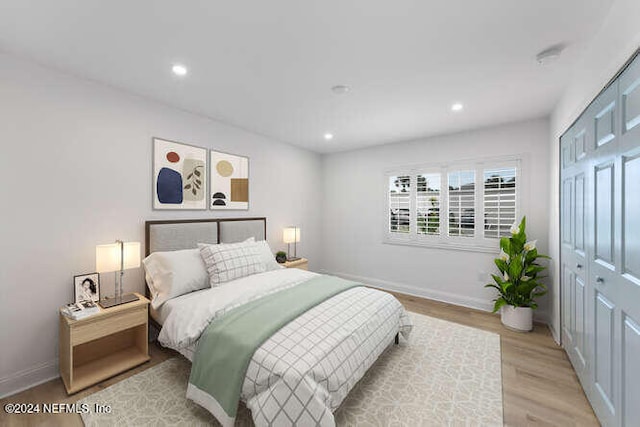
[[466, 205]]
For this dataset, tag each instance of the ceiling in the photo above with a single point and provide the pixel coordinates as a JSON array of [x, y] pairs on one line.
[[268, 66]]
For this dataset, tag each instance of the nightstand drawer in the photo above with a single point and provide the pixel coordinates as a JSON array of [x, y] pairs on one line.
[[107, 325]]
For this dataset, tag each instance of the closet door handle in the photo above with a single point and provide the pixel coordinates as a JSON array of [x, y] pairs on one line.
[[578, 266], [599, 280]]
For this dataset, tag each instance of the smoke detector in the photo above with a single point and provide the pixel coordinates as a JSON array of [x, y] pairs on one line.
[[340, 89], [550, 54]]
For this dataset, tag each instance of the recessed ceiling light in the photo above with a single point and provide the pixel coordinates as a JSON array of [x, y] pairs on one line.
[[457, 107], [328, 136], [550, 54], [179, 70], [340, 89]]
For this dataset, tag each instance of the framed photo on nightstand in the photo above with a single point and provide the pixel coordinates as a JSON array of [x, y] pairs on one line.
[[86, 287]]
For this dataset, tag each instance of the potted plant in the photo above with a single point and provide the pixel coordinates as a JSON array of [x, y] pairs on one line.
[[518, 284], [281, 257]]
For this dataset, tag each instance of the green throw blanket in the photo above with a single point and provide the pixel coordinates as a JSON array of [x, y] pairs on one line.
[[228, 344]]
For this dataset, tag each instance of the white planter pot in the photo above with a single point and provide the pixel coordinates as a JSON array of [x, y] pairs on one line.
[[518, 319]]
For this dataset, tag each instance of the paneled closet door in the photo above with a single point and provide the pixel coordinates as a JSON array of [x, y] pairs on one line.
[[574, 246], [629, 277], [604, 265], [600, 250], [566, 238]]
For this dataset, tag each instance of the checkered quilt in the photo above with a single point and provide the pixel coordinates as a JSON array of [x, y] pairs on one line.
[[304, 372]]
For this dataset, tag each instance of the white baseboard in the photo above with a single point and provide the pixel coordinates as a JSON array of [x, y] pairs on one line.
[[28, 378], [554, 333], [540, 316], [448, 297]]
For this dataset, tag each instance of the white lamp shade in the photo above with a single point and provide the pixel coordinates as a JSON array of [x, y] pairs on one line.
[[291, 235], [131, 255], [108, 256]]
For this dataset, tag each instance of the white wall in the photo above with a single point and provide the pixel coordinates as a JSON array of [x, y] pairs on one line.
[[354, 213], [609, 49], [75, 169]]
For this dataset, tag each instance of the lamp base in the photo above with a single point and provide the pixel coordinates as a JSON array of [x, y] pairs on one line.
[[112, 302], [293, 258]]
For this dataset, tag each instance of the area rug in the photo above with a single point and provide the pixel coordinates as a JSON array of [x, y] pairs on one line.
[[444, 374]]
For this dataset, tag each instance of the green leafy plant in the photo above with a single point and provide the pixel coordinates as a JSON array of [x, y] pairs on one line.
[[281, 256], [519, 283]]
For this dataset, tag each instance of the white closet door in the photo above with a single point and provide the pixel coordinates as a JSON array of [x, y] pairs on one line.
[[604, 268], [600, 249], [574, 245], [629, 278]]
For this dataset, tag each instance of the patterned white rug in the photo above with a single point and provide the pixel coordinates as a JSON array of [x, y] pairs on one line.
[[445, 374]]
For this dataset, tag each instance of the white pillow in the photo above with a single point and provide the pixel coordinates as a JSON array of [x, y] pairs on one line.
[[230, 261], [266, 256], [174, 273]]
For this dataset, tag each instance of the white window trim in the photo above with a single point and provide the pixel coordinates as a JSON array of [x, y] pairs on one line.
[[477, 243]]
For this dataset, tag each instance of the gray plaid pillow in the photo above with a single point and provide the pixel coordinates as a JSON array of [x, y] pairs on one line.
[[230, 261]]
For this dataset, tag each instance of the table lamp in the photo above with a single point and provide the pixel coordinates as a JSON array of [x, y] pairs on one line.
[[291, 235], [117, 257]]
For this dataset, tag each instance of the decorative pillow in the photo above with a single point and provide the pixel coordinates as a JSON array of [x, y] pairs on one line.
[[266, 256], [230, 261], [174, 273]]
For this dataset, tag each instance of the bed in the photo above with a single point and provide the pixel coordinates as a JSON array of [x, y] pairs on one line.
[[298, 371]]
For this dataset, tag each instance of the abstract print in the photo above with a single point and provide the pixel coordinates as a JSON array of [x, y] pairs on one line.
[[229, 181], [179, 175]]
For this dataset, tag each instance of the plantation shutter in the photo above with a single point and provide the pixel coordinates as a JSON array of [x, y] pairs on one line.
[[499, 201], [462, 200], [428, 203], [399, 204]]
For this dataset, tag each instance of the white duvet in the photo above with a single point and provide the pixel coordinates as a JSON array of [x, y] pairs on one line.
[[192, 313], [305, 370]]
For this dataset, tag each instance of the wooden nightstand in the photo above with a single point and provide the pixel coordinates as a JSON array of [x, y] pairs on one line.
[[103, 345], [302, 264]]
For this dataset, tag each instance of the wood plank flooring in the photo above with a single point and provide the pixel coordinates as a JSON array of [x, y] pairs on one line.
[[539, 385]]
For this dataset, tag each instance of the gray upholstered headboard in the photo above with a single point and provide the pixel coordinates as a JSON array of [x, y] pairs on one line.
[[173, 235]]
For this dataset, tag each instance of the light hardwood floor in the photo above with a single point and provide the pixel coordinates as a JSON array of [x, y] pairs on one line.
[[539, 386]]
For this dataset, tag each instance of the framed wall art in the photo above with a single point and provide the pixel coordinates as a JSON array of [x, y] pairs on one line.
[[179, 175], [229, 181]]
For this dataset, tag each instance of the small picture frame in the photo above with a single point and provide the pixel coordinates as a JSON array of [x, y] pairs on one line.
[[86, 287]]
